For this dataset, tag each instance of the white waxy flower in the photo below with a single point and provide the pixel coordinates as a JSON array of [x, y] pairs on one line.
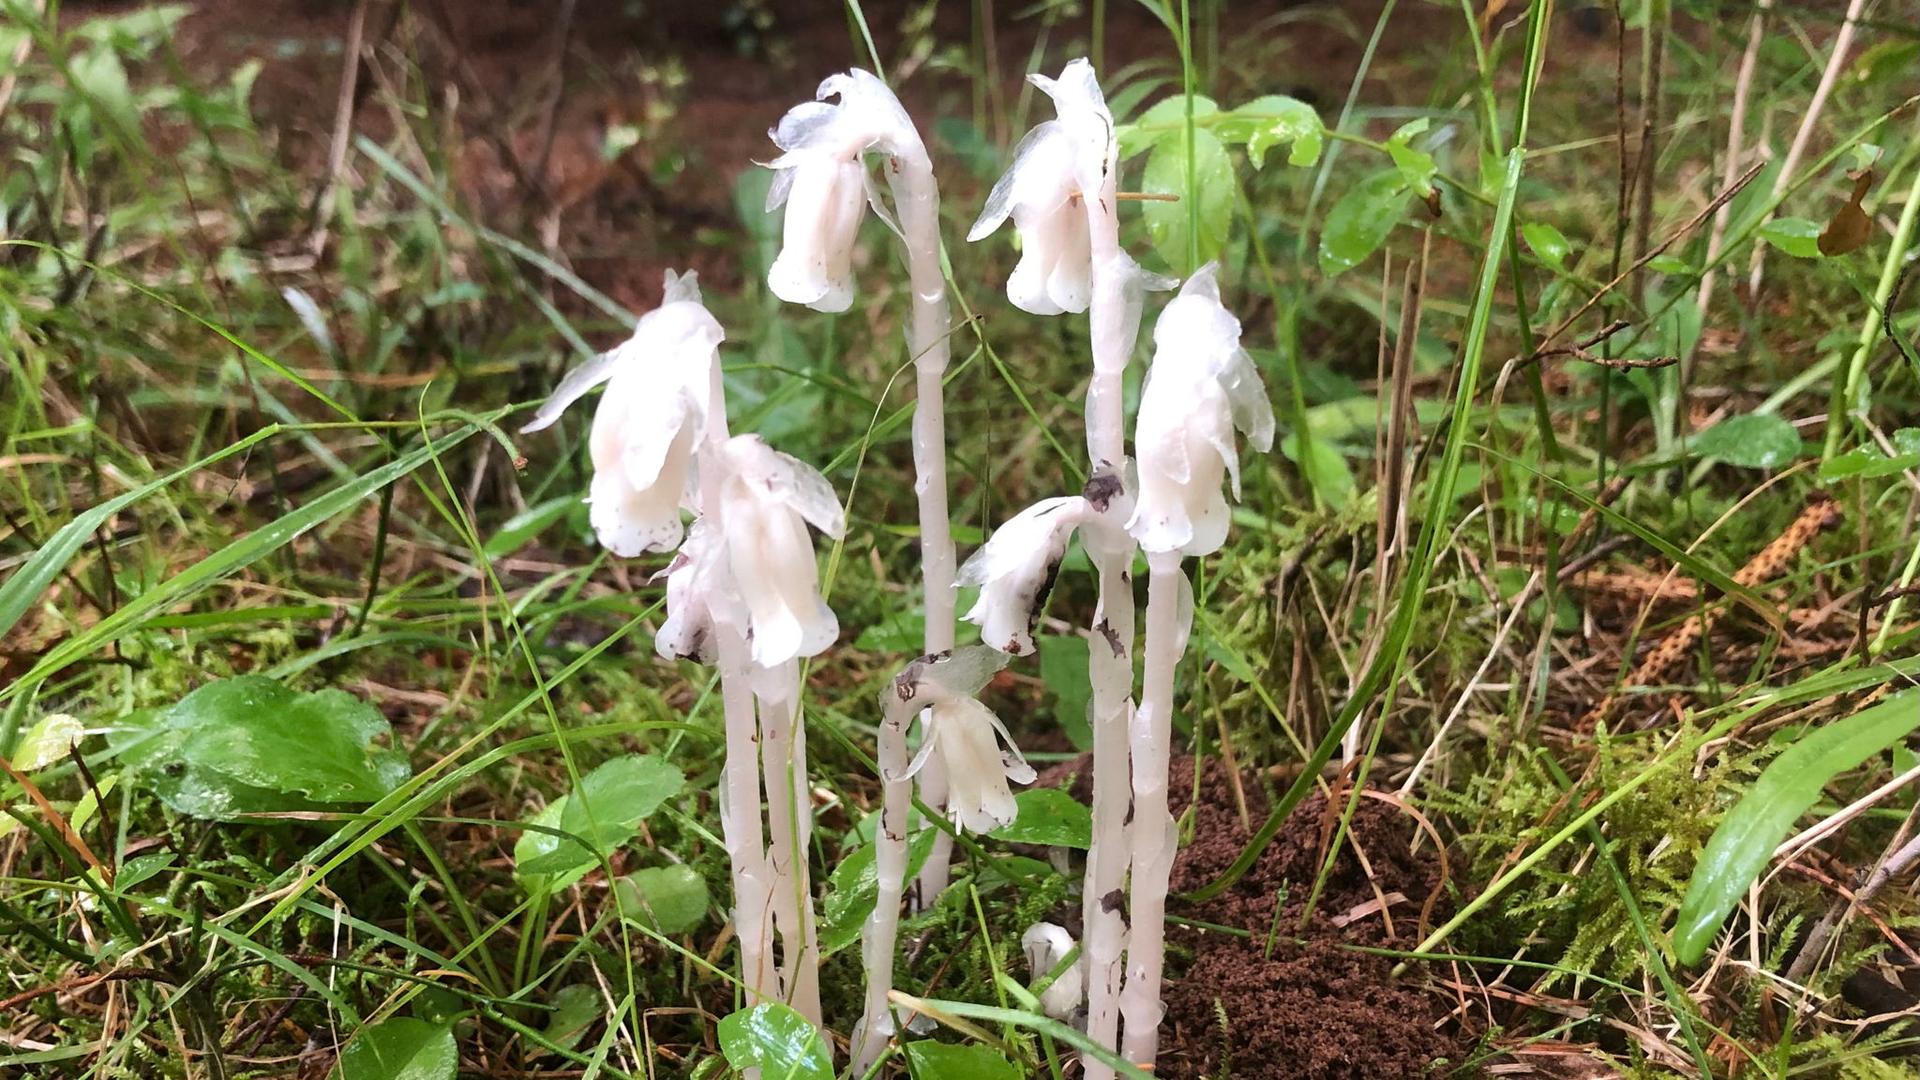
[[821, 177], [767, 500], [695, 587], [980, 755], [1046, 945], [1015, 567], [1059, 164], [1201, 388], [650, 420]]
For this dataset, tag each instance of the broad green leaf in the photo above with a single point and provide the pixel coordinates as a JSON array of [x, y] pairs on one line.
[[575, 1008], [1166, 119], [1753, 441], [400, 1048], [1048, 816], [527, 524], [535, 844], [102, 80], [777, 1041], [1866, 463], [607, 810], [1324, 467], [1204, 212], [959, 1061], [1790, 784], [47, 741], [1063, 668], [1274, 120], [671, 899], [1416, 166], [1360, 221], [854, 888], [1795, 236], [1547, 242], [249, 744]]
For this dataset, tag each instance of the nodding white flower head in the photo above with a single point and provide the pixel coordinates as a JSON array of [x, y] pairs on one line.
[[980, 756], [821, 176], [1055, 168], [697, 597], [767, 500], [650, 420], [1045, 945], [1015, 567], [1201, 388]]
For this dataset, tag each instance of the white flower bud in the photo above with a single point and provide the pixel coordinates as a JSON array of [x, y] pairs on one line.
[[1014, 570], [979, 753], [650, 420], [1201, 388], [1057, 165], [695, 584], [767, 501], [1045, 945], [822, 180]]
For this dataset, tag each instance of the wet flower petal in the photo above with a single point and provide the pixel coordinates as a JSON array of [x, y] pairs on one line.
[[1015, 571]]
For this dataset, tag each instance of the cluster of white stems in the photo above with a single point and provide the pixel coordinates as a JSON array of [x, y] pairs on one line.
[[743, 587]]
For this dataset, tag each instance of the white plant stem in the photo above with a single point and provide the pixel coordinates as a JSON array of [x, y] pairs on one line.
[[1110, 644], [916, 200], [890, 871], [1153, 837], [783, 757], [740, 776]]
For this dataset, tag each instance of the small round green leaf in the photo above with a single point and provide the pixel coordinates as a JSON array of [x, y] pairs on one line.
[[1202, 214], [401, 1048], [671, 899], [959, 1061], [1359, 223], [777, 1041], [1754, 441], [1797, 237], [1547, 242], [1048, 816], [47, 741]]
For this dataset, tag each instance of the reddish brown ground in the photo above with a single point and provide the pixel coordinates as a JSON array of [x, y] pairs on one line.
[[1312, 1007]]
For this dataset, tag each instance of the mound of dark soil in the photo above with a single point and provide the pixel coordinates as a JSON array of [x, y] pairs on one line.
[[1306, 1007]]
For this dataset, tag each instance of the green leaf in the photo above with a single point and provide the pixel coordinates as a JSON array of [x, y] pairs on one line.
[[671, 899], [1360, 221], [102, 81], [1790, 784], [527, 524], [1063, 668], [777, 1041], [1207, 209], [400, 1048], [249, 744], [575, 1008], [1167, 119], [1048, 816], [900, 631], [141, 868], [957, 1061], [1416, 167], [607, 810], [1267, 122], [47, 741], [1753, 441], [1547, 242], [536, 844], [1867, 463], [854, 888], [1797, 237], [1324, 467]]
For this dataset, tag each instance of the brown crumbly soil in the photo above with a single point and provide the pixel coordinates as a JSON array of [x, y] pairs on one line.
[[1310, 1008]]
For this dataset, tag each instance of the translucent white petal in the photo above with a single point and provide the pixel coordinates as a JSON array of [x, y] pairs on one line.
[[1036, 152], [1015, 569], [823, 214], [687, 632], [1247, 396], [572, 388]]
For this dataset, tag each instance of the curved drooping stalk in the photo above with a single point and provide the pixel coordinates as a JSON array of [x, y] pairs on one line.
[[783, 759], [881, 934], [1154, 839]]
